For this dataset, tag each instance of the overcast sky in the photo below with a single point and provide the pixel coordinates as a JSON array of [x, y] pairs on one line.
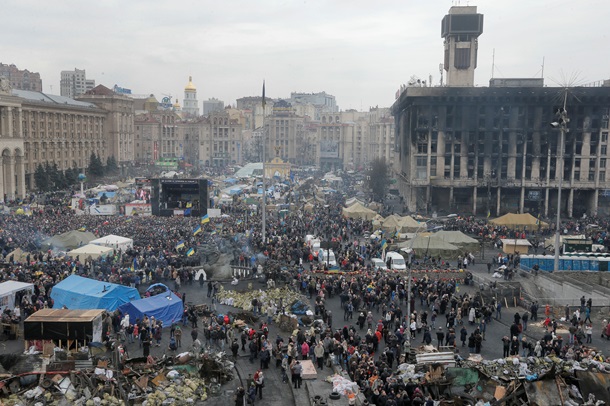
[[359, 51]]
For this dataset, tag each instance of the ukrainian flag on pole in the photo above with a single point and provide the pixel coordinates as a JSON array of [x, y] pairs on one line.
[[384, 244], [190, 252], [197, 230], [180, 245], [205, 219]]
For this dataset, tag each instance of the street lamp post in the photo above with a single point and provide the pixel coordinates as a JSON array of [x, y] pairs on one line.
[[562, 124], [425, 224]]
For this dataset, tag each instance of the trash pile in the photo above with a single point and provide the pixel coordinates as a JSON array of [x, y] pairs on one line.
[[515, 380], [186, 378]]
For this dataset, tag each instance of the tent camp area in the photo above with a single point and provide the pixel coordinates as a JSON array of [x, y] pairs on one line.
[[76, 292], [115, 242], [67, 328]]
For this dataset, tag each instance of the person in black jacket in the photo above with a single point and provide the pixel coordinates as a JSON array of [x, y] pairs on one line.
[[463, 336], [505, 346], [440, 336], [514, 346]]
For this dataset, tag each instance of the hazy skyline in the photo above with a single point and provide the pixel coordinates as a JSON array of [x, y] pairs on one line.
[[358, 51]]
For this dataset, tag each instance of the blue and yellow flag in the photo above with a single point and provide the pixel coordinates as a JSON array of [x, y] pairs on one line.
[[488, 213], [180, 245], [187, 212], [197, 230], [384, 244], [205, 219], [82, 229], [189, 205], [190, 252]]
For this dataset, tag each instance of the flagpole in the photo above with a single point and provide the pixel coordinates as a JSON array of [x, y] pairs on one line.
[[264, 230]]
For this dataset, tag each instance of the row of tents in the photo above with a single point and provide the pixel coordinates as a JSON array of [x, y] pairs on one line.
[[356, 209], [86, 244]]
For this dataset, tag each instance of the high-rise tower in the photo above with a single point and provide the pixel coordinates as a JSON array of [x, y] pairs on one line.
[[190, 105], [461, 28]]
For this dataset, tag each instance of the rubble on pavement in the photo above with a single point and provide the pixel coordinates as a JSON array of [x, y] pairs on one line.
[[186, 378]]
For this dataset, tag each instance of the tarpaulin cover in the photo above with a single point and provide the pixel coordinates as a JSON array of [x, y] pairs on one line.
[[593, 382], [166, 307], [76, 292]]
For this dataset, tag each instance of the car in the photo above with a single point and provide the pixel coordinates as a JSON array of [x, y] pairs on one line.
[[379, 264]]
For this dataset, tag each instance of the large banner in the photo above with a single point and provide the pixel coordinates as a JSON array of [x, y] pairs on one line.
[[329, 149]]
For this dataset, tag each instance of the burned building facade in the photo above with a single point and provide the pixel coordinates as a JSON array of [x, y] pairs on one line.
[[491, 150]]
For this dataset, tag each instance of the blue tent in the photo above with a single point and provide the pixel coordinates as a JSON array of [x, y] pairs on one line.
[[76, 292], [166, 307]]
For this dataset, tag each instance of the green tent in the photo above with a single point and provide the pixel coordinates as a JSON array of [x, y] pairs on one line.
[[68, 241]]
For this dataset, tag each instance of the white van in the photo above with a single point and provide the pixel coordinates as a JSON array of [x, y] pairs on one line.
[[332, 261], [379, 264], [397, 261]]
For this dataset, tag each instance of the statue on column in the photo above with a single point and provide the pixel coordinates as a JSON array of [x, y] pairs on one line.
[[5, 85]]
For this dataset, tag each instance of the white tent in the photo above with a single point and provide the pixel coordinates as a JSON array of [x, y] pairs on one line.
[[91, 250], [9, 290], [114, 241]]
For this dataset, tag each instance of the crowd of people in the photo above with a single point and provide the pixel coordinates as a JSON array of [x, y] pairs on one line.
[[379, 323]]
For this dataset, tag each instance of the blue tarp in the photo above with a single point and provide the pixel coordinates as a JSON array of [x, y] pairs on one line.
[[166, 307], [76, 292]]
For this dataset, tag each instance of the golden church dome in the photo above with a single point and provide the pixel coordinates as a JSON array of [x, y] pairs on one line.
[[190, 85]]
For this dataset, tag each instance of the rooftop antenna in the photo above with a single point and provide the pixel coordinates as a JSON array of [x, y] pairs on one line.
[[493, 62], [542, 74], [440, 69]]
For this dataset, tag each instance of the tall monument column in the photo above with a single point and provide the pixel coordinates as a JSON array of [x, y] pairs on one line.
[[2, 179], [461, 28], [9, 122], [9, 177], [20, 169]]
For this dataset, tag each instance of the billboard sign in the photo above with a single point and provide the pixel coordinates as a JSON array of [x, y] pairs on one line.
[[329, 149], [138, 209]]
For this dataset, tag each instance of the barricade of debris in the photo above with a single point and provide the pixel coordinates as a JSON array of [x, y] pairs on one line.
[[509, 381], [112, 379]]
